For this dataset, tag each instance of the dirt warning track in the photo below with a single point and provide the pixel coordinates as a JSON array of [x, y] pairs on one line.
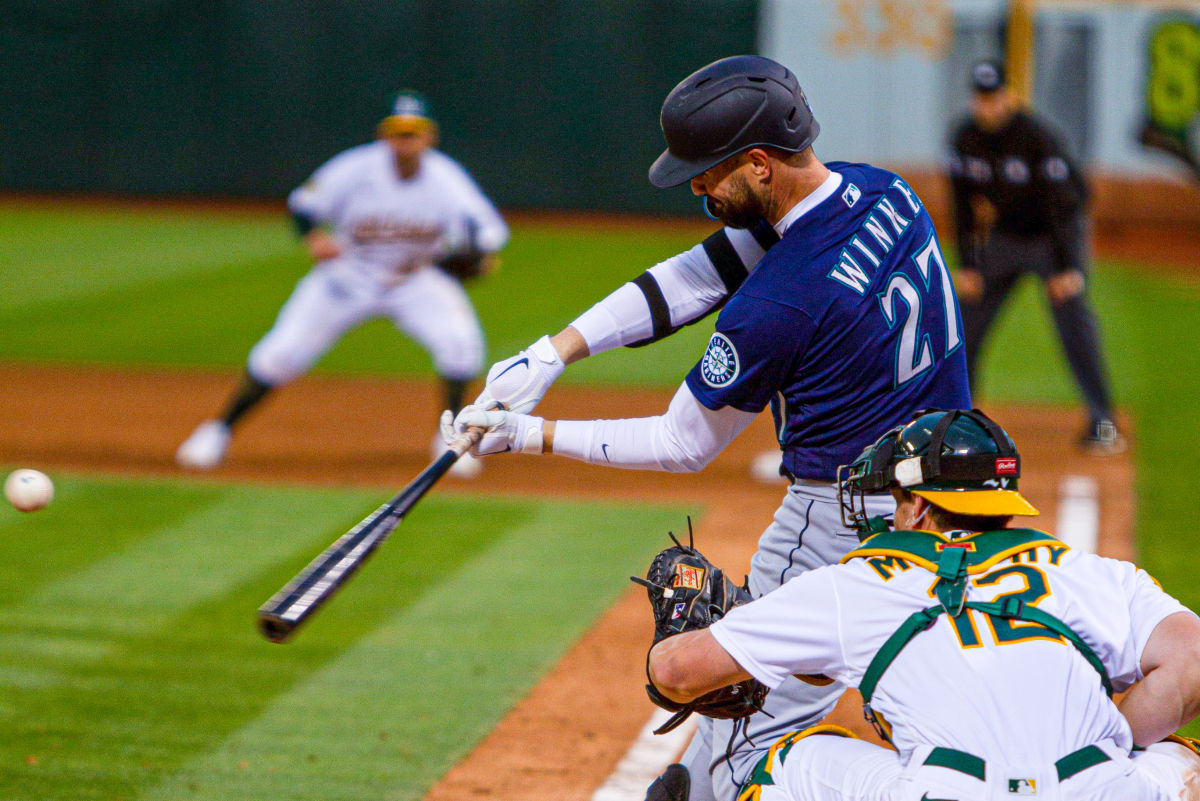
[[566, 736]]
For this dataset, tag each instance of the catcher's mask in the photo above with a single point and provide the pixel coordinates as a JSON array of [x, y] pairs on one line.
[[961, 461]]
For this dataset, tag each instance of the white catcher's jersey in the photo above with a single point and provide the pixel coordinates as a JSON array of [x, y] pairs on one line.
[[997, 689], [388, 226]]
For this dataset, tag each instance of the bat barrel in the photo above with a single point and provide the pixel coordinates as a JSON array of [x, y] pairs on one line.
[[280, 616]]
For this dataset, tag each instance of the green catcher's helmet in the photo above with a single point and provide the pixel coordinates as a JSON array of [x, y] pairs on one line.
[[961, 461]]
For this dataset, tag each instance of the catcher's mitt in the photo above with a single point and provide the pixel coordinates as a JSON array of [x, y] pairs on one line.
[[687, 592]]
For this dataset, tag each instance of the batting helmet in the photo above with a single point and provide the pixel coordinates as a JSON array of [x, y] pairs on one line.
[[729, 106], [961, 461]]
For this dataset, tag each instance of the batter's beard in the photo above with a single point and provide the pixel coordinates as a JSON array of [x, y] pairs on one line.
[[743, 209]]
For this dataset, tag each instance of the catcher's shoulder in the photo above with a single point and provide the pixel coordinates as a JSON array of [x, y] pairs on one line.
[[980, 551]]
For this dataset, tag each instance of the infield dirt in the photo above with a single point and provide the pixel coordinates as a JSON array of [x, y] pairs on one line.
[[566, 736]]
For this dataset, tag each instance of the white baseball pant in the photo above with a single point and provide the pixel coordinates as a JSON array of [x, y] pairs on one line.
[[427, 305]]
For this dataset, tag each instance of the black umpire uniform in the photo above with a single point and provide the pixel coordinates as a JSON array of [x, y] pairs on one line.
[[1019, 206]]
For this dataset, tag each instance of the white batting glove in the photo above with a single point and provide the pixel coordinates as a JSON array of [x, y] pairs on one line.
[[506, 431], [519, 383]]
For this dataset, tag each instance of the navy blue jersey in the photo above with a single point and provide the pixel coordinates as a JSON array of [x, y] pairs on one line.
[[847, 327]]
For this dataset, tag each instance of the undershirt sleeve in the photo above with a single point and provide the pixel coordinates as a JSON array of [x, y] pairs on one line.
[[671, 294], [685, 439]]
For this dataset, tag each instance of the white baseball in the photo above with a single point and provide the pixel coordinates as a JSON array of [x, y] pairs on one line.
[[765, 467], [28, 490]]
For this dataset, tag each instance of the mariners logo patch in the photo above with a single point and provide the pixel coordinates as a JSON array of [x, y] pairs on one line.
[[688, 577], [720, 363]]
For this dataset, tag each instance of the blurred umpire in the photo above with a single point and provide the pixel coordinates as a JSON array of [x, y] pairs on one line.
[[1019, 205]]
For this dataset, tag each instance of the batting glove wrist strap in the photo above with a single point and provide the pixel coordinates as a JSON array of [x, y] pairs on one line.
[[551, 362], [506, 431]]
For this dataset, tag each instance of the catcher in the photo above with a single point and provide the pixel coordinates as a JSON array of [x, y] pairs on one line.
[[987, 655]]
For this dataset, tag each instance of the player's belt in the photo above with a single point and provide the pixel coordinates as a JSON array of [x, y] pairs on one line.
[[1080, 760], [1073, 763]]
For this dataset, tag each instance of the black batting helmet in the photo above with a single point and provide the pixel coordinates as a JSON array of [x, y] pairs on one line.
[[729, 106]]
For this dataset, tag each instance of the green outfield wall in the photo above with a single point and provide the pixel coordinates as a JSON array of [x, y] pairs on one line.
[[550, 103]]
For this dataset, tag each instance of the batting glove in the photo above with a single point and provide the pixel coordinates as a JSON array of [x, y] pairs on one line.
[[519, 383], [506, 431]]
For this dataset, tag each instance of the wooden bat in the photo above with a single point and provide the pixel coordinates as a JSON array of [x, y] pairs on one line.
[[301, 597]]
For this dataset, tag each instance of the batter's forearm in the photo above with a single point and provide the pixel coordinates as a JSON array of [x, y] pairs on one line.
[[570, 345]]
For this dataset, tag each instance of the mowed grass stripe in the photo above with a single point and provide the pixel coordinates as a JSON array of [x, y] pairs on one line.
[[50, 254], [393, 712], [116, 676], [151, 570], [116, 673], [179, 287], [87, 519]]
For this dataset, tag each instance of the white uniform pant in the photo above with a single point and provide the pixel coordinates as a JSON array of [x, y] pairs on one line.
[[831, 768], [333, 298], [807, 533]]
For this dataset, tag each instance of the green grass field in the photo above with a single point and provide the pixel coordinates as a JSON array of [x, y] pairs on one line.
[[123, 675], [130, 666]]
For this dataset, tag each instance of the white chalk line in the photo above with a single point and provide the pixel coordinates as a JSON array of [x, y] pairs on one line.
[[646, 759], [1079, 512]]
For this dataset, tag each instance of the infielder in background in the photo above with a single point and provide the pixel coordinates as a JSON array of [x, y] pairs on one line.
[[378, 220], [985, 652], [846, 326], [1019, 205]]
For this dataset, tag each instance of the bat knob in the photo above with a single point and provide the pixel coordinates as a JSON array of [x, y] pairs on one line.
[[274, 629]]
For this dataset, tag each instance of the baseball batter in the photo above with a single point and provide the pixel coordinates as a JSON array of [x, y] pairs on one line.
[[988, 654], [377, 219], [847, 325]]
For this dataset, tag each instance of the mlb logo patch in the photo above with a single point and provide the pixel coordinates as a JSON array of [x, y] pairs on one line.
[[1022, 786], [1006, 466], [851, 195], [688, 577], [678, 611]]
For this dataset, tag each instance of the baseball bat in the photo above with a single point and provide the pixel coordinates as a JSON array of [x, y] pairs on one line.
[[301, 597]]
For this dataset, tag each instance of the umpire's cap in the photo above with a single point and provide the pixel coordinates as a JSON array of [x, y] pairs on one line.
[[729, 106], [987, 76]]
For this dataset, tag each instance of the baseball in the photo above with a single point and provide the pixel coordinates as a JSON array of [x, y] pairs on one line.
[[765, 467], [28, 490]]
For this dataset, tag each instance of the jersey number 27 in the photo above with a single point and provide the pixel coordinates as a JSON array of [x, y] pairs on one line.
[[901, 304]]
